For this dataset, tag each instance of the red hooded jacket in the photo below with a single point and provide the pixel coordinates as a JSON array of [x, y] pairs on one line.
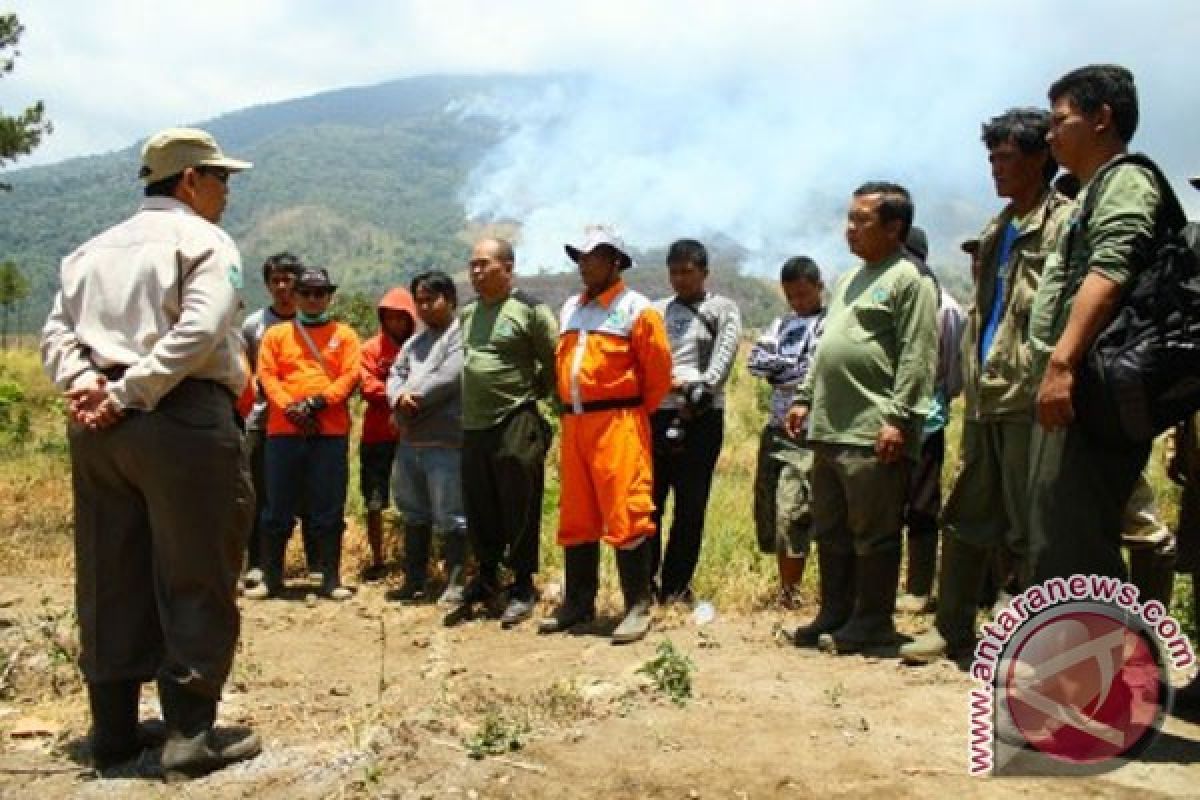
[[378, 353]]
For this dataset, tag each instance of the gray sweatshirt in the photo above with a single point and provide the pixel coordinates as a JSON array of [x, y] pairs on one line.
[[704, 342], [429, 367]]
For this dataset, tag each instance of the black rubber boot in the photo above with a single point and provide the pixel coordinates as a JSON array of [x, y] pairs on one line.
[[1153, 573], [115, 737], [274, 551], [964, 569], [192, 748], [331, 565], [876, 576], [922, 566], [836, 568], [582, 581], [417, 540], [634, 567]]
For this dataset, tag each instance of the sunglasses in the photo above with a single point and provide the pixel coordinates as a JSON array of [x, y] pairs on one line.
[[313, 293], [217, 172]]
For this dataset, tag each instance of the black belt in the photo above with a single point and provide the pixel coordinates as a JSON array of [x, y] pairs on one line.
[[603, 405]]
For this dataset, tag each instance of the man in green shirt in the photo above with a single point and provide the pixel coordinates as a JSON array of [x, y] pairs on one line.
[[508, 339], [1078, 486], [865, 401]]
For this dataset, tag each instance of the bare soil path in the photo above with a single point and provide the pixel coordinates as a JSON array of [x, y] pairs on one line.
[[367, 699]]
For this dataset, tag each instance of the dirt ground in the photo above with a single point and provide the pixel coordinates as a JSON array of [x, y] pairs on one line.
[[369, 699]]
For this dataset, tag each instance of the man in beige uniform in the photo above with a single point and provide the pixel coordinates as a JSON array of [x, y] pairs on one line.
[[143, 342]]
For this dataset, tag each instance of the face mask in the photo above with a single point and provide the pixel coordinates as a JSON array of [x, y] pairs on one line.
[[313, 319]]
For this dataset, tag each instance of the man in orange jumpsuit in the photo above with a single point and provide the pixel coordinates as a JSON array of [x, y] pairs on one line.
[[613, 368]]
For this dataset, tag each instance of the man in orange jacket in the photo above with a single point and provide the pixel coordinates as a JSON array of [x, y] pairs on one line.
[[613, 368], [307, 369], [377, 450]]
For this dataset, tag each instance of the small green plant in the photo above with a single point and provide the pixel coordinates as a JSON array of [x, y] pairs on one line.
[[496, 737], [671, 671]]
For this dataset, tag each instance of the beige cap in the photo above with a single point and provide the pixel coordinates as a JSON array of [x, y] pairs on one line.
[[171, 151]]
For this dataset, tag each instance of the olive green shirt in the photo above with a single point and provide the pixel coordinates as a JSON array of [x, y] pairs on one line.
[[1121, 226], [876, 359], [508, 350], [1002, 387]]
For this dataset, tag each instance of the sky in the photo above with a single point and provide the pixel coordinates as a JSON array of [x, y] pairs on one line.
[[749, 119]]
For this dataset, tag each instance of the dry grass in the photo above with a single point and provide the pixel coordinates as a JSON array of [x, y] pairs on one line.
[[35, 516]]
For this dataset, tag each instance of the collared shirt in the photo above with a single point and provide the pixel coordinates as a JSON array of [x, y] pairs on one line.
[[612, 347], [157, 295]]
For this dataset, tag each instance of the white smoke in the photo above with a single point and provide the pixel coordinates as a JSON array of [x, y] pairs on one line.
[[763, 146]]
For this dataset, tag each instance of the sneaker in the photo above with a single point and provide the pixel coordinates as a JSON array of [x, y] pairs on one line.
[[316, 577], [452, 597], [519, 608], [258, 591], [340, 593], [253, 577]]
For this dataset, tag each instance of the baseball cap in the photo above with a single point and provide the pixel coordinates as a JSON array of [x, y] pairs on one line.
[[970, 246], [171, 151], [595, 236], [315, 278]]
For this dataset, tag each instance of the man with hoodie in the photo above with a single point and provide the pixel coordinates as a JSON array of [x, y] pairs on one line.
[[307, 368], [612, 369], [377, 450], [424, 391]]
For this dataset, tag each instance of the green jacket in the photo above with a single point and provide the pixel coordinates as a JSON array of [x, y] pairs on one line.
[[1121, 228], [1004, 385], [876, 359]]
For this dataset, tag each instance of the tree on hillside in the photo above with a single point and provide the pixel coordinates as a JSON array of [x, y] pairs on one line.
[[21, 133], [14, 288]]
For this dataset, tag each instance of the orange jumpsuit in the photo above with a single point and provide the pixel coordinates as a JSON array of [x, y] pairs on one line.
[[613, 367]]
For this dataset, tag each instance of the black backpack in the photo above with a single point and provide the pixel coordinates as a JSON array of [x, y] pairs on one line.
[[1142, 373]]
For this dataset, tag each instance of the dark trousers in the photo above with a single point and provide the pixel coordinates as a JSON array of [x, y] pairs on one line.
[[687, 472], [503, 477], [163, 508], [312, 471], [256, 445], [1078, 490]]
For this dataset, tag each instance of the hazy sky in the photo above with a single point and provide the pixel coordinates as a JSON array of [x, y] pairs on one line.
[[712, 115]]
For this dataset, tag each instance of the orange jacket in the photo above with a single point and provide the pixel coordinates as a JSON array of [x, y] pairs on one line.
[[288, 372], [378, 354], [612, 347]]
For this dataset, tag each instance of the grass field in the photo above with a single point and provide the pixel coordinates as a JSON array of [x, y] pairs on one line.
[[35, 527]]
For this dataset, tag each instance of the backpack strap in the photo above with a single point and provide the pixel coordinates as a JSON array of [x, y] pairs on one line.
[[1170, 218]]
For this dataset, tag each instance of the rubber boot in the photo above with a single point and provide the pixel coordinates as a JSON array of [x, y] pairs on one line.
[[376, 570], [1153, 573], [922, 566], [331, 565], [115, 739], [633, 566], [454, 553], [313, 554], [836, 569], [876, 576], [964, 569], [417, 540], [192, 748], [274, 550], [578, 607]]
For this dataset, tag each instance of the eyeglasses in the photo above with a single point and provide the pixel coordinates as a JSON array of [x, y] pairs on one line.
[[313, 293], [219, 173]]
